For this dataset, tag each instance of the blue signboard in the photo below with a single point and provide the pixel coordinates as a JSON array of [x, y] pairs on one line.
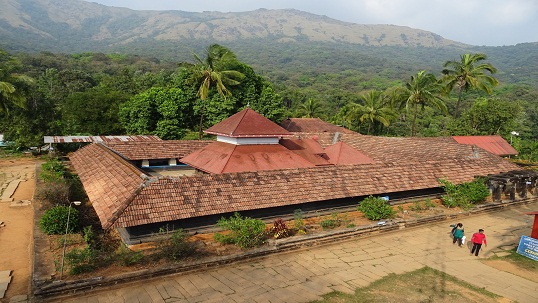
[[528, 247]]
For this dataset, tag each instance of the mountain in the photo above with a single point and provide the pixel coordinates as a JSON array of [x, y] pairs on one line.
[[277, 43], [77, 26]]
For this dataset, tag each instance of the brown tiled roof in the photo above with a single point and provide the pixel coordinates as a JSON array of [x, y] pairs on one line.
[[110, 181], [123, 196], [187, 197], [311, 125], [247, 123], [220, 157], [157, 150]]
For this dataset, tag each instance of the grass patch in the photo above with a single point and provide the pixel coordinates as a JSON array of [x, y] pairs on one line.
[[422, 285], [517, 259]]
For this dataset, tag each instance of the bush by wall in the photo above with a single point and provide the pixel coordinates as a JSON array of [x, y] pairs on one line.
[[243, 232], [464, 195], [375, 208]]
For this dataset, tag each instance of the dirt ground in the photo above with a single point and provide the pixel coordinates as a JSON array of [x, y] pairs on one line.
[[16, 236], [16, 243]]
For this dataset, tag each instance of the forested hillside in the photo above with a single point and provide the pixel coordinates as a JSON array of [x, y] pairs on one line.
[[81, 68]]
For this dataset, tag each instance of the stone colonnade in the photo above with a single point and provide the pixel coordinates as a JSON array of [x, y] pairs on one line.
[[513, 185]]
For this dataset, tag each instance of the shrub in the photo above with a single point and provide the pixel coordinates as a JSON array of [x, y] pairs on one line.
[[375, 208], [52, 171], [464, 195], [429, 204], [243, 232], [331, 222], [54, 220], [127, 257], [279, 229], [298, 221], [176, 247], [53, 192], [81, 260]]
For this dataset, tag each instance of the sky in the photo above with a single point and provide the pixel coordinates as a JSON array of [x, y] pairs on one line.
[[475, 22]]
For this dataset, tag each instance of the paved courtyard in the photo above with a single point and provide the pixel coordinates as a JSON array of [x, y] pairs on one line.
[[304, 275]]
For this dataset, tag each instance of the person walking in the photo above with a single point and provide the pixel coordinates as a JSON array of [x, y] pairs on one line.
[[458, 234], [477, 239]]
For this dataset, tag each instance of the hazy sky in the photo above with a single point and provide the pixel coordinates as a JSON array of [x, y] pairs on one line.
[[476, 22]]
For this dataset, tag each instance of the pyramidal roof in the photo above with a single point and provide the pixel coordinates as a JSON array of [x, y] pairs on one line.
[[247, 123]]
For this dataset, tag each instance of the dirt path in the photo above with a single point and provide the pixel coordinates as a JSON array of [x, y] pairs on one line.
[[17, 234]]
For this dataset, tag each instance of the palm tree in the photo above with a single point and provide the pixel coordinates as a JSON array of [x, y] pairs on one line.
[[216, 70], [469, 73], [9, 81], [310, 109], [423, 90], [376, 108]]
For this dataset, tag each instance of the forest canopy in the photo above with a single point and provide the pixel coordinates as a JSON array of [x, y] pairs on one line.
[[112, 94]]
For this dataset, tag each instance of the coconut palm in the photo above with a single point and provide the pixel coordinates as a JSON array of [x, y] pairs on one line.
[[376, 108], [216, 70], [423, 90], [310, 109], [9, 83], [469, 73]]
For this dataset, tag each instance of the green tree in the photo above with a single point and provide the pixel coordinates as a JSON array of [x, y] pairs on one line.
[[469, 73], [11, 84], [218, 70], [93, 112], [423, 90], [311, 108], [165, 112], [376, 109], [488, 117]]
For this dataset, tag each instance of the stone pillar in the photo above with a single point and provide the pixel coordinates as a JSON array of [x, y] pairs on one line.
[[497, 192], [523, 185]]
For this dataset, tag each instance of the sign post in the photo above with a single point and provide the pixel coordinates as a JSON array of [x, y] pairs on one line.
[[528, 247]]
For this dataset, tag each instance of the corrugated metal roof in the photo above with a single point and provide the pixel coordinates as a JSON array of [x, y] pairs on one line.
[[493, 144], [247, 123], [97, 139]]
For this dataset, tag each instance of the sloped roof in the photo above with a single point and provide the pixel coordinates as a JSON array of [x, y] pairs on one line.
[[247, 123], [110, 181], [123, 196], [98, 139], [181, 198], [494, 144], [220, 157], [308, 149], [311, 125], [341, 153], [166, 149]]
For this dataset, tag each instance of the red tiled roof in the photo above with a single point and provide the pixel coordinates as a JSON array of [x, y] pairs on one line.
[[220, 157], [311, 125], [308, 149], [168, 149], [341, 153], [247, 123], [494, 144]]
